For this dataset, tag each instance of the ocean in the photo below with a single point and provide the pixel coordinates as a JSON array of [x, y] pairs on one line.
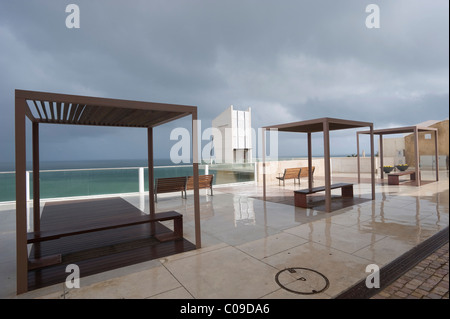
[[94, 177], [53, 165]]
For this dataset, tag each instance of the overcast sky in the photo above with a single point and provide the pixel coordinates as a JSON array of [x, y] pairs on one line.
[[288, 60]]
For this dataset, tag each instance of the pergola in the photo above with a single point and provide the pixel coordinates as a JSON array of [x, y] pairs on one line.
[[324, 125], [402, 130], [41, 107]]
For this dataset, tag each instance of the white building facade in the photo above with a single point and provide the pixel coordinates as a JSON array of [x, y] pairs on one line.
[[232, 136]]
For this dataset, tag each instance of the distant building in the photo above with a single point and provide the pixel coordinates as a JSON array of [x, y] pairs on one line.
[[426, 146], [232, 136], [401, 150]]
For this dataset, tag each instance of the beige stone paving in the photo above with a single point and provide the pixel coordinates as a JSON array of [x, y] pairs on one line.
[[246, 242]]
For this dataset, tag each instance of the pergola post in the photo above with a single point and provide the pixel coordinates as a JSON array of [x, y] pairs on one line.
[[36, 188], [372, 161], [326, 147], [310, 181], [380, 155], [436, 154], [151, 178], [264, 162], [416, 155], [36, 184], [195, 158], [358, 158], [21, 199]]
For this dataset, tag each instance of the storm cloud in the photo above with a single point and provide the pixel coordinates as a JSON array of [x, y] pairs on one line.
[[288, 60]]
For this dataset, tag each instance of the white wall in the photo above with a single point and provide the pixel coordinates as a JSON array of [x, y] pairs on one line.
[[338, 165], [275, 167], [394, 147], [350, 164]]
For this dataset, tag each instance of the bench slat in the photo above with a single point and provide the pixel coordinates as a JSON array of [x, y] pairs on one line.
[[170, 184], [204, 181], [296, 173], [291, 173], [304, 171]]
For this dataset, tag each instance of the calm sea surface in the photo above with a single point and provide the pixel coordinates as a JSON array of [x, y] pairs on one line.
[[83, 178]]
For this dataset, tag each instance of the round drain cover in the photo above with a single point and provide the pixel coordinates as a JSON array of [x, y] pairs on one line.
[[303, 281]]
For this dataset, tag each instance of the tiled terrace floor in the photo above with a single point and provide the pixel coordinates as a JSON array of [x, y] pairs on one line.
[[246, 242]]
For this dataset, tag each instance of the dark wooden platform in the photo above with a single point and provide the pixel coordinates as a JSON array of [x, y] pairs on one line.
[[97, 251]]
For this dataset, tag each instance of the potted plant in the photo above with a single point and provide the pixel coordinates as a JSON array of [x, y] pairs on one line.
[[402, 167], [388, 168]]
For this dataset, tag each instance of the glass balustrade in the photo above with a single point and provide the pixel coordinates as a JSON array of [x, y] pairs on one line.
[[90, 182]]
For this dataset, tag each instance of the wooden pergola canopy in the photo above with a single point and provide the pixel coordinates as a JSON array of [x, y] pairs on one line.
[[53, 108], [316, 125], [415, 129], [83, 110], [324, 125]]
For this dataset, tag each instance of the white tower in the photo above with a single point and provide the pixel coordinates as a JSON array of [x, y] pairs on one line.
[[232, 134]]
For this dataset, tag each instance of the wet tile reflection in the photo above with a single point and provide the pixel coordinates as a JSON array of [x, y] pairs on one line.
[[242, 232]]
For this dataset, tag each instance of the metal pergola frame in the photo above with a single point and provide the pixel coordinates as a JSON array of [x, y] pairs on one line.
[[402, 130], [324, 125], [42, 107]]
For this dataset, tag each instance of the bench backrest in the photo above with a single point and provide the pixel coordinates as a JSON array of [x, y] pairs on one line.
[[170, 184], [291, 173], [304, 171], [204, 181]]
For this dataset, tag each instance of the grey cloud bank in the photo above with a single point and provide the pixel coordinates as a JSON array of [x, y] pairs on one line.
[[288, 60]]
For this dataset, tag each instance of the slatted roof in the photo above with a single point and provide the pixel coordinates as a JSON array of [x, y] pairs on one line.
[[56, 108], [316, 125]]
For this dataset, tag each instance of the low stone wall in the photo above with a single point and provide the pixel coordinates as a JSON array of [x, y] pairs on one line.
[[350, 164], [275, 167], [338, 165]]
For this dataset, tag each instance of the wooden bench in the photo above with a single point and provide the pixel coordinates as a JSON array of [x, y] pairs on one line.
[[183, 184], [394, 178], [300, 196], [169, 185], [204, 181], [304, 172], [290, 173], [100, 225]]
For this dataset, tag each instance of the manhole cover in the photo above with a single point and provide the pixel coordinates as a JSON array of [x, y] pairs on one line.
[[303, 281]]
